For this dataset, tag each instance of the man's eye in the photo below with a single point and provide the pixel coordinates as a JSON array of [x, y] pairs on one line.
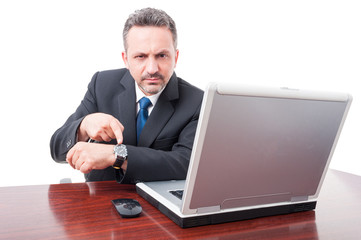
[[162, 55], [139, 56]]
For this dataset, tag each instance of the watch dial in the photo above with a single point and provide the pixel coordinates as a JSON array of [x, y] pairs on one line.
[[121, 150]]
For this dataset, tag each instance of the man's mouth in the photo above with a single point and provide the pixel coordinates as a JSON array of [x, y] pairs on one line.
[[153, 78]]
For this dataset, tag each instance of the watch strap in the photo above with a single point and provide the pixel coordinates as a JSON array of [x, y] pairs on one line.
[[119, 176], [118, 163]]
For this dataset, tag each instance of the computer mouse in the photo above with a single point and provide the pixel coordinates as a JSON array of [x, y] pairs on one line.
[[127, 208]]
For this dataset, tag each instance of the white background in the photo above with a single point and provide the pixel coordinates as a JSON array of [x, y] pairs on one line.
[[49, 51]]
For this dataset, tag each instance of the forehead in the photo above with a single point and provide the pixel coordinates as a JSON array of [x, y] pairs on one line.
[[147, 38]]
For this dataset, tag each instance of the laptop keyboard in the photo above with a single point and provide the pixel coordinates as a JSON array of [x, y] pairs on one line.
[[177, 193]]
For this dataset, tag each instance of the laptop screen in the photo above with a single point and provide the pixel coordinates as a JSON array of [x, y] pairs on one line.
[[259, 147]]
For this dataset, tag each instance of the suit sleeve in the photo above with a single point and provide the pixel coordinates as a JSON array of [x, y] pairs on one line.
[[66, 136]]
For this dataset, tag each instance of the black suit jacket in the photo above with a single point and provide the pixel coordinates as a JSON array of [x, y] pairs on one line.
[[166, 141]]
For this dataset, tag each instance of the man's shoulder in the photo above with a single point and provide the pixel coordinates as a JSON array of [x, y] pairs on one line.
[[113, 73], [189, 89], [114, 80], [112, 77]]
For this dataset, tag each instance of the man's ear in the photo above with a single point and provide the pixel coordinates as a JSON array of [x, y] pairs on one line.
[[176, 57], [125, 59]]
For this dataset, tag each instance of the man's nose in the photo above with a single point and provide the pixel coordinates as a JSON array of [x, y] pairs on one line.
[[152, 66]]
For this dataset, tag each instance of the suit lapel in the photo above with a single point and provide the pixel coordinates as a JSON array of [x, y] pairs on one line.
[[127, 108], [161, 113]]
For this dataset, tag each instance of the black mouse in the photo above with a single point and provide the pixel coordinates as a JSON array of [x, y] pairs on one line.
[[127, 208]]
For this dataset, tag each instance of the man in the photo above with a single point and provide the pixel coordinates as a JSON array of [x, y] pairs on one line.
[[108, 114]]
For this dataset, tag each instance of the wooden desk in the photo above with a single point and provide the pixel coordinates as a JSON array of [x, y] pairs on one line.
[[84, 211]]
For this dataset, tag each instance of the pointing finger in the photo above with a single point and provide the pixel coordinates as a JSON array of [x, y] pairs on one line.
[[117, 129]]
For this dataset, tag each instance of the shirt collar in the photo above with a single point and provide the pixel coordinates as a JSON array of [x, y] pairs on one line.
[[153, 98]]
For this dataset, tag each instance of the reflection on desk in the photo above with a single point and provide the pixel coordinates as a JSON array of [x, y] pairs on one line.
[[85, 211]]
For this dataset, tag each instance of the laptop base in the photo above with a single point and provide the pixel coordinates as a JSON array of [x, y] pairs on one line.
[[195, 221]]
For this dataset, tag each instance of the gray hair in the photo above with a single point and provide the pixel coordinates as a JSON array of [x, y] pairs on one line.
[[149, 17]]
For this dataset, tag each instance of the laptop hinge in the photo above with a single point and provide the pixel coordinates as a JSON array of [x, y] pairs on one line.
[[209, 209], [299, 198]]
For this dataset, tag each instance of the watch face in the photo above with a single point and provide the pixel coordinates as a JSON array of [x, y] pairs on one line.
[[121, 150]]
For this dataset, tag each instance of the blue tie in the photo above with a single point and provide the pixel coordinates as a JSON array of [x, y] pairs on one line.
[[144, 103]]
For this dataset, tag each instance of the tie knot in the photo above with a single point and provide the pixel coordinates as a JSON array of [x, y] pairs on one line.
[[144, 103]]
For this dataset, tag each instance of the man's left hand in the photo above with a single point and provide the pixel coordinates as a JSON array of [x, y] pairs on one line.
[[85, 156]]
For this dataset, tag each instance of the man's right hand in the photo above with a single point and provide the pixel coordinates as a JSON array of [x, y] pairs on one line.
[[100, 127]]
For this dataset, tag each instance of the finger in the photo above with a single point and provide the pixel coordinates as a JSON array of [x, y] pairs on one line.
[[69, 156], [97, 137], [107, 136], [117, 129], [76, 155], [85, 168], [79, 162]]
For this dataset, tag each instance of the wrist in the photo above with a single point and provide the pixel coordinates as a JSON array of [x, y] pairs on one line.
[[111, 157]]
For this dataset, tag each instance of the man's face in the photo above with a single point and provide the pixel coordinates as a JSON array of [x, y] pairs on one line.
[[150, 57]]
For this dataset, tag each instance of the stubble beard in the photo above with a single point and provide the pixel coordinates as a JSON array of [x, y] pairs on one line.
[[152, 88]]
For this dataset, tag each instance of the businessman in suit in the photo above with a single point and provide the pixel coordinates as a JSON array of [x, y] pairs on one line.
[[113, 112]]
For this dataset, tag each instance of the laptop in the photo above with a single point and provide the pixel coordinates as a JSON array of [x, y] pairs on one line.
[[257, 152]]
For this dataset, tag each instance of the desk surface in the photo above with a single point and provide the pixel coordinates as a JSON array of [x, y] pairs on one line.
[[84, 211]]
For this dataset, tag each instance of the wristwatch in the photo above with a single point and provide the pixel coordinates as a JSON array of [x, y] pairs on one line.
[[121, 154]]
